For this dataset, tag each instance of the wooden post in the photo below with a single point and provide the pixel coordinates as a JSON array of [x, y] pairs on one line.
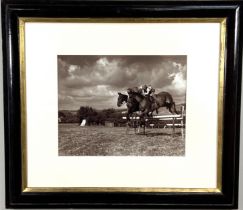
[[142, 123], [173, 126], [127, 130], [182, 121], [136, 128], [134, 125]]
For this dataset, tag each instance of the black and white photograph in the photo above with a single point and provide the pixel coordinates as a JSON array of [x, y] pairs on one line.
[[121, 105]]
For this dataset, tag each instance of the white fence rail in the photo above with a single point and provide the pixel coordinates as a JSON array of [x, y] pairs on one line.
[[174, 118]]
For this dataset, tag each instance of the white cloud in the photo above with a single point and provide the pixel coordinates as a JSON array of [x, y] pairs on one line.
[[72, 68], [96, 83], [179, 83], [103, 61]]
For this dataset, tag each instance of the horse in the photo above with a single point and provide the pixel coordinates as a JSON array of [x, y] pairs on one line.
[[132, 107], [163, 99], [146, 105], [132, 104]]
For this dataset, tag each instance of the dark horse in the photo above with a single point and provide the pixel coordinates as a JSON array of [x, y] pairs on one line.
[[164, 99], [146, 105], [137, 102], [132, 104]]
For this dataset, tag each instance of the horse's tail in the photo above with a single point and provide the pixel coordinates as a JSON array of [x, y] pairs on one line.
[[168, 101], [174, 108], [171, 104]]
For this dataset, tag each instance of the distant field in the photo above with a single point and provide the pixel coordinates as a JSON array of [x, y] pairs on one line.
[[105, 141]]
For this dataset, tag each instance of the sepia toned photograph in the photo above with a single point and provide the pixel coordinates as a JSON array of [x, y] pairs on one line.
[[115, 105]]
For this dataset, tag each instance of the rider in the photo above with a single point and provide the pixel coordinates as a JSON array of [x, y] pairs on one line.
[[150, 90], [143, 90], [147, 91]]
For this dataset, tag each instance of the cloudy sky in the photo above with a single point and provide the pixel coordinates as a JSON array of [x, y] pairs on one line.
[[95, 80]]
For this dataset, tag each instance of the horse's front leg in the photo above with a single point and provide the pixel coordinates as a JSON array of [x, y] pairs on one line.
[[128, 117], [142, 119]]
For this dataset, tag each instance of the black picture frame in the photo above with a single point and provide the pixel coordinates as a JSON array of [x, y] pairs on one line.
[[16, 197]]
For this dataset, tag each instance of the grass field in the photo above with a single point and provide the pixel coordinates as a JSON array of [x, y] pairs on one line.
[[105, 141]]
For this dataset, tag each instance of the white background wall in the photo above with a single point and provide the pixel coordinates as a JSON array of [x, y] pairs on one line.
[[2, 180]]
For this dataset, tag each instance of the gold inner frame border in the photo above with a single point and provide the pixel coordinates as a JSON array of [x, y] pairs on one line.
[[24, 158]]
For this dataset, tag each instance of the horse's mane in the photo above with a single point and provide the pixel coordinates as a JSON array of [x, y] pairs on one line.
[[137, 94]]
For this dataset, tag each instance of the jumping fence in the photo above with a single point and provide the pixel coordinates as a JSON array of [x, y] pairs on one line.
[[172, 121]]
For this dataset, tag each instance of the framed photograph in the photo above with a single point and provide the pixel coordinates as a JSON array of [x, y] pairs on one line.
[[122, 104]]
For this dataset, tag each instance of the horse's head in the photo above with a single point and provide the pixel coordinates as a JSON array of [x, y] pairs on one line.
[[121, 99]]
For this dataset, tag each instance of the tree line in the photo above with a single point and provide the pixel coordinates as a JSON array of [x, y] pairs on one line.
[[92, 116]]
